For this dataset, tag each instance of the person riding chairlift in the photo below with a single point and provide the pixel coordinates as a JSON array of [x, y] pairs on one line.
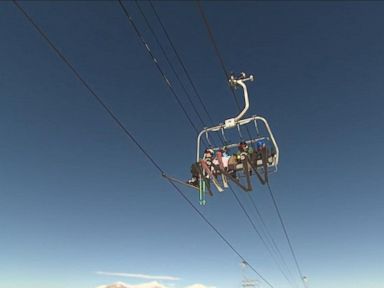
[[221, 158], [262, 148], [243, 149], [205, 164]]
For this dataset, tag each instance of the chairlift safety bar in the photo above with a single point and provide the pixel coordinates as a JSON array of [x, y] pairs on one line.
[[240, 122]]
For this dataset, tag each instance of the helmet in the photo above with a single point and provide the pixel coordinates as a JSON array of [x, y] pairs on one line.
[[209, 150], [243, 145], [260, 144]]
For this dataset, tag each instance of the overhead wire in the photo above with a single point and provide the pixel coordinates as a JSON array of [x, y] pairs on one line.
[[85, 84], [233, 93], [259, 234], [168, 83], [216, 48], [286, 235], [219, 56], [130, 135], [169, 63], [180, 61], [269, 235], [168, 60], [194, 87], [223, 66], [156, 62], [185, 70]]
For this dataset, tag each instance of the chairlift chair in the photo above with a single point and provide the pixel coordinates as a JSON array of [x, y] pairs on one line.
[[259, 163], [249, 165]]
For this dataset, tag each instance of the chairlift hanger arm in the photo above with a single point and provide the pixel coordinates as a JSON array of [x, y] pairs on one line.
[[239, 82]]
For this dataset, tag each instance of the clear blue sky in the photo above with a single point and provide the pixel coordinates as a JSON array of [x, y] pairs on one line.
[[77, 197]]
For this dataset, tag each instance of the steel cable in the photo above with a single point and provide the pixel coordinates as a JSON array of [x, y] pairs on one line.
[[130, 135]]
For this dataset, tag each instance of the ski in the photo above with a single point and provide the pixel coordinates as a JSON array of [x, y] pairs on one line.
[[219, 156], [211, 176]]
